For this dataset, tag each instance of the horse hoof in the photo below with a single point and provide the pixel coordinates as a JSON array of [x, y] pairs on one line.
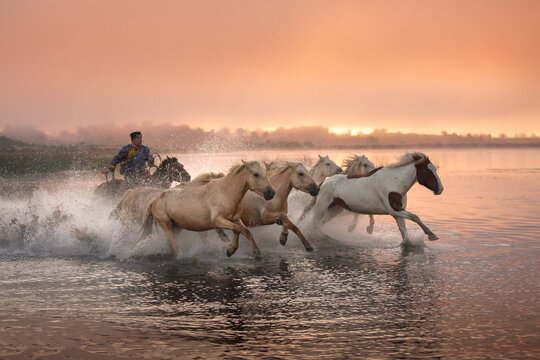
[[309, 248], [258, 257], [229, 253], [282, 242], [433, 237], [369, 230], [350, 228]]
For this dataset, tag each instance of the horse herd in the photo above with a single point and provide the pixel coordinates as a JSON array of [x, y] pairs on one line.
[[255, 194]]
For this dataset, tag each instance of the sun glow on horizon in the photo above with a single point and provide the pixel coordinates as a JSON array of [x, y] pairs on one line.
[[350, 131]]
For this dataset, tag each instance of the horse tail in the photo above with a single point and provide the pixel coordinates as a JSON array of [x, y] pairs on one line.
[[148, 221]]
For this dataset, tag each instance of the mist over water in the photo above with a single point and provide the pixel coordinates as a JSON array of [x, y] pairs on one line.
[[76, 283]]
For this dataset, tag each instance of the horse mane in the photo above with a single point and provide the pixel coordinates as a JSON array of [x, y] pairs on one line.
[[238, 167], [206, 177], [278, 167], [168, 160], [407, 159], [352, 163]]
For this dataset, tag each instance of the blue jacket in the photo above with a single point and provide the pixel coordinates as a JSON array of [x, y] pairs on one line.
[[131, 160]]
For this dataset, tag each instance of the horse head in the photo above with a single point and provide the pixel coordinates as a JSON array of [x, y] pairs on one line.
[[173, 170], [301, 180], [256, 179], [426, 173], [357, 165], [324, 168]]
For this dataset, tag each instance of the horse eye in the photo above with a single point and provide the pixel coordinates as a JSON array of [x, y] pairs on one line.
[[300, 174], [365, 165], [327, 164], [256, 174]]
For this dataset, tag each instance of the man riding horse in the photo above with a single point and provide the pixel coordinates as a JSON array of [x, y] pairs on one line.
[[132, 159]]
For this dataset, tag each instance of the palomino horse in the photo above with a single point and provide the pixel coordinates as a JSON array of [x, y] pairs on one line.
[[168, 171], [133, 204], [284, 176], [321, 170], [211, 206], [383, 192]]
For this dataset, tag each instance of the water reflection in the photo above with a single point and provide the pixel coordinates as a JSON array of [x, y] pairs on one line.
[[471, 294], [328, 303]]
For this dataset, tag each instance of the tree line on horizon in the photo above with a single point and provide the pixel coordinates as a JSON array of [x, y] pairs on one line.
[[184, 138]]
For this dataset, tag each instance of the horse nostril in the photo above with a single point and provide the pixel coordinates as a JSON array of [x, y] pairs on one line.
[[339, 170], [314, 190], [269, 194]]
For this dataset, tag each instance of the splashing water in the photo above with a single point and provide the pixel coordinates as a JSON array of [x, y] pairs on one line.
[[74, 280]]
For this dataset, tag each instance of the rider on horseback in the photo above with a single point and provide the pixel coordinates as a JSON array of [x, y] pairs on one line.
[[132, 159]]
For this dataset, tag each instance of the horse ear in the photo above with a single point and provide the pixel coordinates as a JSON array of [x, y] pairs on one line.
[[416, 157], [320, 157], [240, 168], [267, 165]]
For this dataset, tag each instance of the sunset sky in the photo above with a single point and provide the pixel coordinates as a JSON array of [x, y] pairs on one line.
[[409, 66]]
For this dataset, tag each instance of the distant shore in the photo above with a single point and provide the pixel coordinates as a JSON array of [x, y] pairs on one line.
[[28, 159]]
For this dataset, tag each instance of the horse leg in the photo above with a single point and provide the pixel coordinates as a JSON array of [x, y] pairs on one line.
[[238, 227], [222, 235], [413, 217], [234, 244], [402, 229], [285, 230], [306, 210], [168, 229], [319, 212], [244, 230], [354, 222], [369, 229], [284, 233], [289, 224]]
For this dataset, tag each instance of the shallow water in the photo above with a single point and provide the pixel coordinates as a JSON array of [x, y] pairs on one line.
[[76, 284]]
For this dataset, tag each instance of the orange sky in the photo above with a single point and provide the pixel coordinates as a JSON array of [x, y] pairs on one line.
[[421, 66]]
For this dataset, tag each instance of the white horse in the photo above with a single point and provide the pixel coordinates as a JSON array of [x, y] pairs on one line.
[[323, 168], [358, 165], [354, 165], [383, 192]]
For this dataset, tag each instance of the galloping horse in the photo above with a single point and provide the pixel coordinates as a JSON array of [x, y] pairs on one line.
[[284, 176], [383, 192], [323, 168], [133, 204], [358, 165], [354, 165], [211, 206], [168, 171]]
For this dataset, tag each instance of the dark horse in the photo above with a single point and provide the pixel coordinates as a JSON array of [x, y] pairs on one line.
[[168, 171]]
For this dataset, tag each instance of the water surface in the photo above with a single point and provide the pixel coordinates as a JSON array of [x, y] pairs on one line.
[[76, 284]]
